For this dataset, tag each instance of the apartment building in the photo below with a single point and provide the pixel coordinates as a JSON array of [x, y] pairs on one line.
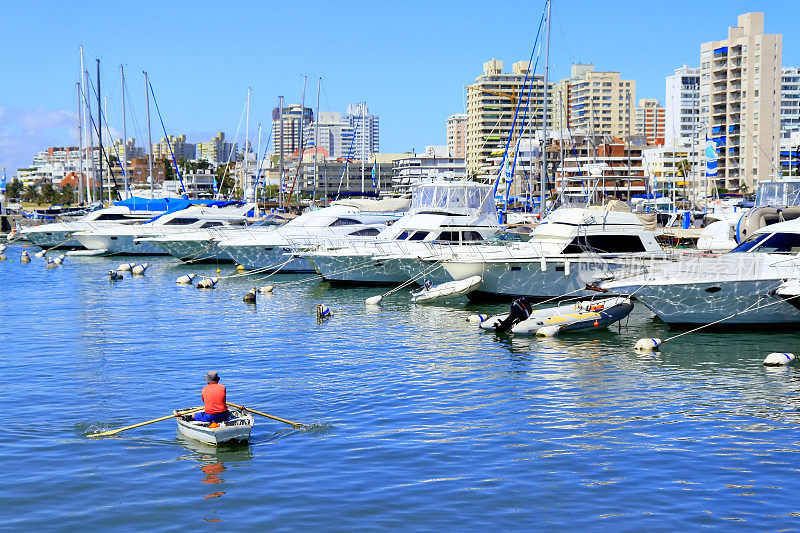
[[457, 135], [180, 148], [217, 151], [599, 103], [790, 101], [294, 120], [435, 163], [492, 102], [366, 129], [649, 121], [682, 108], [740, 101], [335, 136]]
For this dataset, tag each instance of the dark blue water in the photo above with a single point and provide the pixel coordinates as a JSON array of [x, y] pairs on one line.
[[418, 421]]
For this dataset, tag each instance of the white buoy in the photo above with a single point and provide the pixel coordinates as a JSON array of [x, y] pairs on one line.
[[647, 345], [548, 331], [2, 248], [51, 263], [477, 319], [779, 359], [60, 259], [139, 270], [374, 300], [24, 257], [266, 289], [40, 253], [543, 264], [3, 257], [566, 267], [323, 311], [113, 275], [207, 283], [126, 267], [186, 279], [250, 297]]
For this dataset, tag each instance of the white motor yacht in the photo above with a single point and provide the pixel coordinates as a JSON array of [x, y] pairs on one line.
[[127, 240], [450, 213], [59, 234], [572, 247], [738, 288], [277, 249]]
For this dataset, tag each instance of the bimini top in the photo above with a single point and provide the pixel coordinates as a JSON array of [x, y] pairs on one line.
[[136, 203], [454, 198]]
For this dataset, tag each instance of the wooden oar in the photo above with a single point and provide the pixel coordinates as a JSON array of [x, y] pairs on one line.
[[115, 431], [295, 424]]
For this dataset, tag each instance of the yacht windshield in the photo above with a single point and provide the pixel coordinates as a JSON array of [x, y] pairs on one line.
[[457, 198], [775, 243], [778, 193]]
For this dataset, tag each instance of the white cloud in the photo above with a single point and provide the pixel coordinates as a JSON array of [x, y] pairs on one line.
[[25, 132]]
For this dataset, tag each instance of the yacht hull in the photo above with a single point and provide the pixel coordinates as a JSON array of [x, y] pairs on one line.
[[268, 257], [200, 251], [118, 244]]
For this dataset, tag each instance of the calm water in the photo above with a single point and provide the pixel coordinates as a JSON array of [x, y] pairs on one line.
[[418, 420]]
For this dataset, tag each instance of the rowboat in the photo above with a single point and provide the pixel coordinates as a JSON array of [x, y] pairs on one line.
[[447, 289], [586, 314], [236, 429]]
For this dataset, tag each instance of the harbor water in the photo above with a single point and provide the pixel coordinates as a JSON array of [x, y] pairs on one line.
[[417, 420]]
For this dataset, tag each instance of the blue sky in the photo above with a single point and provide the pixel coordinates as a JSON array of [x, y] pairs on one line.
[[408, 60]]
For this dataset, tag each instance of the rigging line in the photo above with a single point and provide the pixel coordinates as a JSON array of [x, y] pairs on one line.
[[169, 144], [104, 154], [349, 154], [519, 102], [230, 154], [261, 162], [136, 127]]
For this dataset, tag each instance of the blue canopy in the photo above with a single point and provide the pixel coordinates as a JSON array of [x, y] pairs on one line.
[[136, 203]]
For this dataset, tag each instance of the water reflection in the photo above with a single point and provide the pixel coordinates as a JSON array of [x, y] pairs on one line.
[[213, 460]]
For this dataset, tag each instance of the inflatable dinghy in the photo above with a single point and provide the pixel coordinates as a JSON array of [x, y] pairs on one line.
[[551, 321], [447, 289]]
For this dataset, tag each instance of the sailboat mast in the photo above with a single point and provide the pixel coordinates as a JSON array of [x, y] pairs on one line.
[[258, 163], [316, 142], [245, 177], [543, 184], [280, 153], [108, 181], [124, 133], [99, 133], [363, 146], [86, 130], [149, 138], [80, 145], [302, 143]]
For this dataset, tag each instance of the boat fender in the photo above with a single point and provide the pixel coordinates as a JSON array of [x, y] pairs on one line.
[[40, 253], [477, 319], [566, 267], [250, 297], [60, 259], [24, 257], [323, 311], [548, 331], [373, 300], [51, 263], [779, 359], [647, 345], [3, 257], [207, 283], [139, 270], [126, 267], [113, 275], [2, 248], [266, 289], [543, 264], [186, 279]]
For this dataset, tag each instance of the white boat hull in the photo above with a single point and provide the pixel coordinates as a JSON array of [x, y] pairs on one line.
[[234, 430], [268, 257], [118, 244]]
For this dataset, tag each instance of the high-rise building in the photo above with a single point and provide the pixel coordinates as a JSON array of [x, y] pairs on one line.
[[740, 100], [292, 139], [457, 135], [492, 103], [217, 151], [335, 134], [180, 148], [599, 103], [128, 149], [790, 101], [682, 115], [649, 121], [366, 130]]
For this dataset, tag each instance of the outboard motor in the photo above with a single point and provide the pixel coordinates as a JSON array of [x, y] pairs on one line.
[[521, 309]]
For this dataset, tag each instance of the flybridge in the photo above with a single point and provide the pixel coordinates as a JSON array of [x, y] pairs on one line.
[[457, 198]]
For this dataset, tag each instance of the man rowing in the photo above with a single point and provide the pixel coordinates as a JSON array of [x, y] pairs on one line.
[[214, 407]]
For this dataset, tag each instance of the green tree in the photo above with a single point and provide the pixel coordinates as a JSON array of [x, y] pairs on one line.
[[169, 172], [202, 164], [14, 189], [225, 180], [67, 196], [30, 194], [48, 194], [271, 191]]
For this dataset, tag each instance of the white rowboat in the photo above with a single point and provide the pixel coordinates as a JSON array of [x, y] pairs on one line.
[[447, 289], [236, 429]]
